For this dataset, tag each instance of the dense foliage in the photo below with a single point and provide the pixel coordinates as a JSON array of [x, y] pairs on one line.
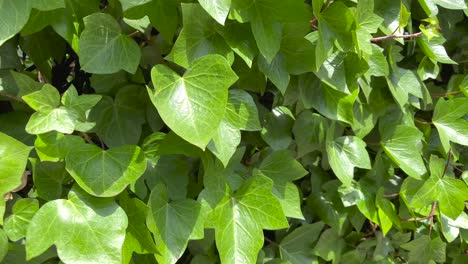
[[233, 131]]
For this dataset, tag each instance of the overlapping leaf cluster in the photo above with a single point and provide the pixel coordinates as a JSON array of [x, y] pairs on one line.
[[233, 131]]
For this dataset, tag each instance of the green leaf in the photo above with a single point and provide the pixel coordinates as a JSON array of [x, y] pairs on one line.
[[395, 142], [424, 250], [46, 99], [48, 179], [276, 71], [58, 119], [119, 121], [105, 173], [277, 128], [240, 217], [173, 223], [199, 97], [17, 223], [434, 49], [241, 111], [329, 246], [3, 244], [163, 14], [296, 246], [265, 17], [51, 116], [451, 4], [327, 101], [13, 159], [138, 238], [448, 192], [199, 37], [103, 47], [79, 224], [448, 119], [225, 141], [14, 16], [345, 153], [45, 5], [282, 168], [239, 37], [336, 24], [309, 132], [53, 146], [218, 9]]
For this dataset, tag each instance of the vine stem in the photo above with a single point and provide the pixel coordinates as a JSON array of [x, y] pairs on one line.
[[392, 195], [438, 95], [408, 36], [12, 97], [87, 138]]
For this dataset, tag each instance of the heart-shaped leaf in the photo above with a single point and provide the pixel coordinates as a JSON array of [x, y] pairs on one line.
[[103, 47], [105, 173], [193, 105], [13, 159], [84, 229]]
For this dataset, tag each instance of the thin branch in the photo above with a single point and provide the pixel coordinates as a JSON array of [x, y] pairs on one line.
[[434, 206], [392, 195], [438, 95], [431, 215], [315, 19], [270, 241], [422, 122], [87, 138], [448, 162], [408, 36], [12, 97]]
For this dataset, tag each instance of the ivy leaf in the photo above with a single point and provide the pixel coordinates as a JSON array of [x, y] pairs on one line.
[[309, 132], [193, 105], [51, 116], [424, 250], [17, 223], [448, 119], [138, 238], [240, 217], [119, 121], [241, 111], [434, 49], [296, 246], [329, 246], [14, 16], [336, 25], [218, 9], [282, 168], [48, 179], [345, 153], [241, 114], [13, 160], [173, 223], [105, 173], [53, 146], [329, 102], [103, 47], [225, 141], [277, 128], [47, 98], [448, 192], [79, 224], [198, 37], [395, 143], [3, 244], [265, 17], [58, 119]]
